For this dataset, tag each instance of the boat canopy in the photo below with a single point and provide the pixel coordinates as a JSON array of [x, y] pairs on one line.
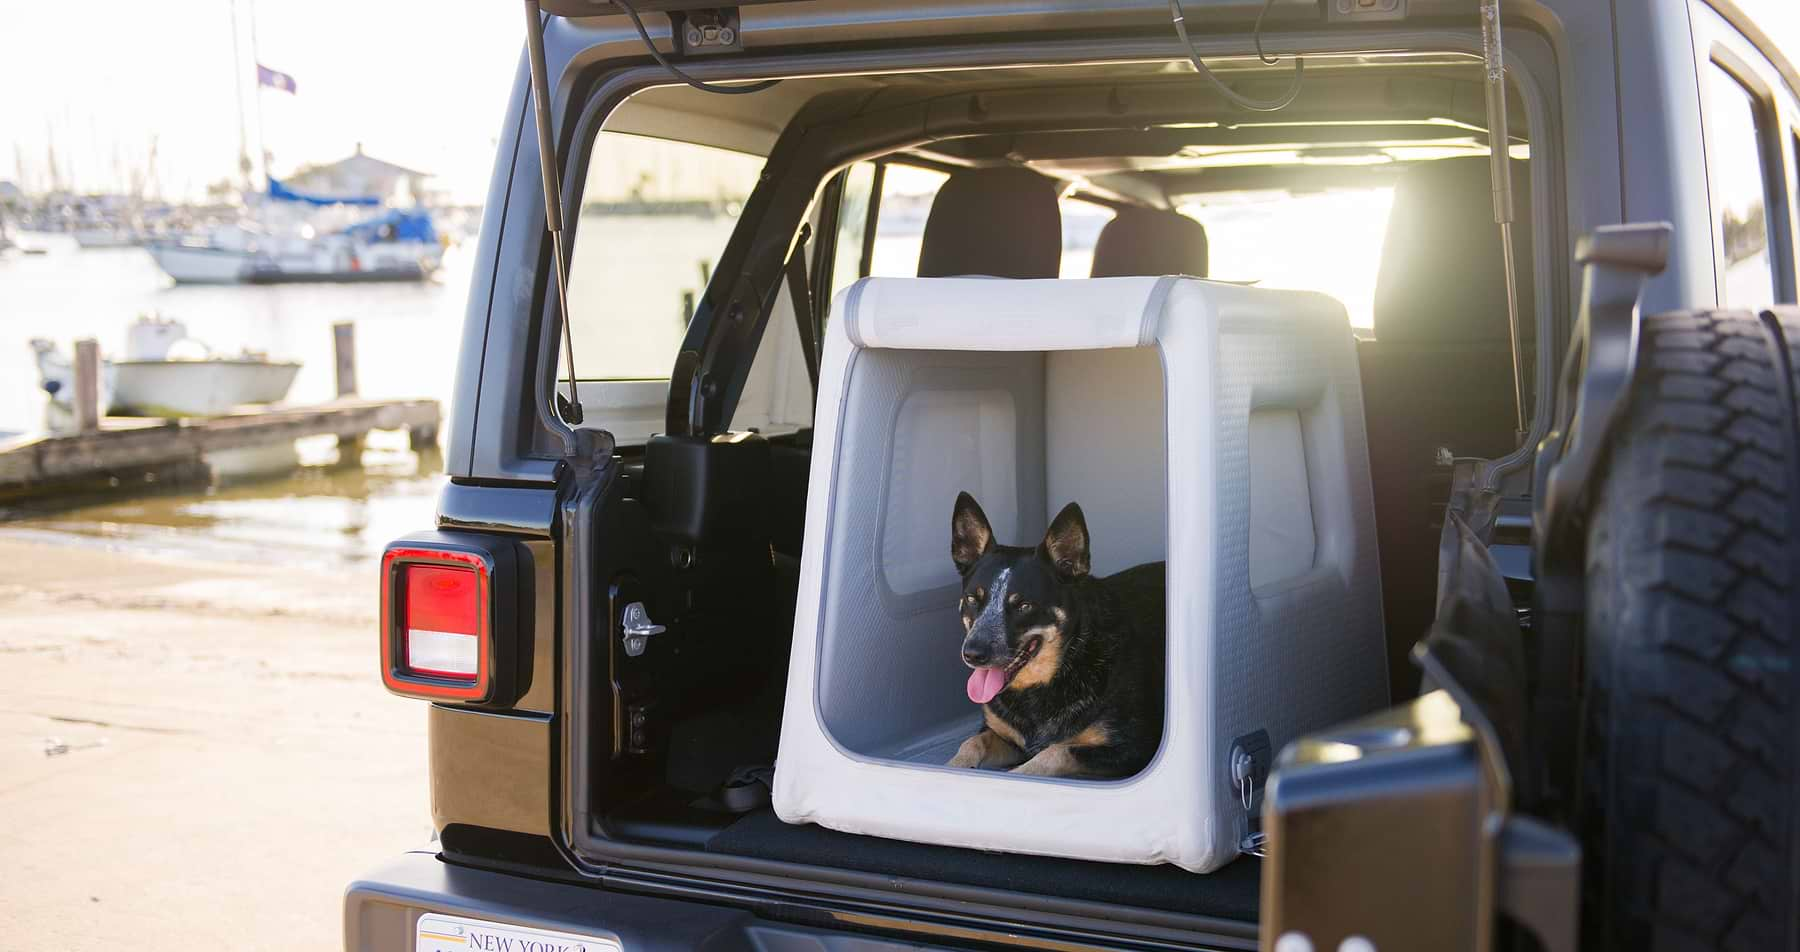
[[395, 225], [283, 193]]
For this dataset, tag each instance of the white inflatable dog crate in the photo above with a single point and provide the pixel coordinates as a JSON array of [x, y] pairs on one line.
[[1215, 426]]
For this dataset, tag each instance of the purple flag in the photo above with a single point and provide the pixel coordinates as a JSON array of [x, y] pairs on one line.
[[275, 80]]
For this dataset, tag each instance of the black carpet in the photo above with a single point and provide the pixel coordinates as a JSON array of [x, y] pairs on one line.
[[1229, 893]]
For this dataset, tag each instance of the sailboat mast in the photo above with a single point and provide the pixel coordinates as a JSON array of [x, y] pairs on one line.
[[262, 144], [237, 86]]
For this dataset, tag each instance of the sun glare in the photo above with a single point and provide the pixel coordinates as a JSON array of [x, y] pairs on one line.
[[1327, 241]]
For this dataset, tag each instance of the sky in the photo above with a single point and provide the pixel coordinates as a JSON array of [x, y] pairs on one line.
[[419, 82], [423, 84]]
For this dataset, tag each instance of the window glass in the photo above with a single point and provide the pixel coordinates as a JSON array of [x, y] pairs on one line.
[[1081, 224], [1734, 175], [1321, 241], [906, 194], [853, 221], [655, 214]]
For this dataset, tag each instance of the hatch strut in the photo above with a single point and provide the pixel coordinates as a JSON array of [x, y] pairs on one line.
[[1500, 172], [540, 95]]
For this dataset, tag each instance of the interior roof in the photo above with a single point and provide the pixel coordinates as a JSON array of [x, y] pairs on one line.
[[1351, 109]]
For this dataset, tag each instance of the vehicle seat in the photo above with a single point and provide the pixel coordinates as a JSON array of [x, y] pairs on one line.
[[1438, 373], [1148, 242], [999, 222]]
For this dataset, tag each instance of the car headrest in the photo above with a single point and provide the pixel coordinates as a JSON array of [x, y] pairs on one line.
[[1442, 279], [999, 222], [1146, 242]]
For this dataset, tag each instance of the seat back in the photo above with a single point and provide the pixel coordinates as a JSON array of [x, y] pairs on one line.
[[999, 222], [1147, 242]]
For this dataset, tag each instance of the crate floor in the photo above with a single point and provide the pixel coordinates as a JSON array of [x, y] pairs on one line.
[[934, 745]]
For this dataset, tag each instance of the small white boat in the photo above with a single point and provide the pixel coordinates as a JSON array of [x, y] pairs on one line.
[[168, 374], [106, 236], [190, 388], [165, 373]]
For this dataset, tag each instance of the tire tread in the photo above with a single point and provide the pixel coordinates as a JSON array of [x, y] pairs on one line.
[[1687, 740]]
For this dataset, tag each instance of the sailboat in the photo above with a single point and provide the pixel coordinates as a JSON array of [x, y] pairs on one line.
[[392, 245], [286, 242]]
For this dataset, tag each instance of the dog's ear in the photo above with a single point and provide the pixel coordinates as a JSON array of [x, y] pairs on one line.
[[970, 534], [1065, 545]]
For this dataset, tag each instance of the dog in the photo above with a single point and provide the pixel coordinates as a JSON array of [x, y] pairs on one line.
[[1067, 668]]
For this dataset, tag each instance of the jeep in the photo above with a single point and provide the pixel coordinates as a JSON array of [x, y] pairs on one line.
[[1565, 234]]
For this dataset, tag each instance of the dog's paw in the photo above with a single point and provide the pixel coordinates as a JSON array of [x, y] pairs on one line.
[[1050, 762], [969, 754]]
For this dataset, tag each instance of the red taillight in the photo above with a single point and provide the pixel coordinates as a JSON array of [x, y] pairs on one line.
[[436, 623], [441, 624]]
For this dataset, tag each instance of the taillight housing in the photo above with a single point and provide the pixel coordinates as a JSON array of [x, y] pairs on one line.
[[450, 628]]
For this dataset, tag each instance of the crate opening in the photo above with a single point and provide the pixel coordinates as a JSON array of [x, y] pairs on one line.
[[1025, 433]]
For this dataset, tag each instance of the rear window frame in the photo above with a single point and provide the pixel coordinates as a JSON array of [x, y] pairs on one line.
[[504, 421], [1533, 63]]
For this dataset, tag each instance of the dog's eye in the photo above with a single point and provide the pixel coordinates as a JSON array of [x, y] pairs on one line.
[[1023, 606]]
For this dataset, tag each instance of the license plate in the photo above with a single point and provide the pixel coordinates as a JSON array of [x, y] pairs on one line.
[[440, 933]]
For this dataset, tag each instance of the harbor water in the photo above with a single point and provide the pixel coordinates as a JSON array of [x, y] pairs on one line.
[[407, 337]]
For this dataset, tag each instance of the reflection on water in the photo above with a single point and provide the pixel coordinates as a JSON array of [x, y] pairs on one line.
[[318, 516]]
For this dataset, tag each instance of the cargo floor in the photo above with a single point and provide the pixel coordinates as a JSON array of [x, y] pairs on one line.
[[1229, 893]]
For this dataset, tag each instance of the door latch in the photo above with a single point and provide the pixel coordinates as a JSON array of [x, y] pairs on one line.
[[638, 628], [717, 30]]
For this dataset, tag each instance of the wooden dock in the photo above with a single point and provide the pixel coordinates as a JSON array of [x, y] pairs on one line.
[[131, 450]]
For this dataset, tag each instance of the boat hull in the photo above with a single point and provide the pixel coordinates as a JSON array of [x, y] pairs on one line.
[[274, 276], [185, 388], [200, 264], [104, 238], [191, 264]]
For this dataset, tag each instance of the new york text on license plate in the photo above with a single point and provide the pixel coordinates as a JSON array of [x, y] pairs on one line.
[[441, 933]]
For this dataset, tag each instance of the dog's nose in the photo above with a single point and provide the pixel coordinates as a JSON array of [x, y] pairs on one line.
[[975, 657]]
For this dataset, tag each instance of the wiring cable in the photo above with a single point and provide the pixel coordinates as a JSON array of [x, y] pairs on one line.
[[704, 87], [1232, 95], [1256, 35]]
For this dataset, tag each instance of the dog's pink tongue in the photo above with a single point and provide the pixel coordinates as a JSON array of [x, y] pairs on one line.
[[985, 684]]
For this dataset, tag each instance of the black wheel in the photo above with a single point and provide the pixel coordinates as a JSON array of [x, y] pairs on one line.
[[1690, 724]]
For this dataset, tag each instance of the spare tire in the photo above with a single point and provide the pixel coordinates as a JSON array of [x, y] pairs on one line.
[[1690, 725]]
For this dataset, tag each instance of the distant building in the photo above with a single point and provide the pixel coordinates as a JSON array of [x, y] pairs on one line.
[[11, 194], [362, 175]]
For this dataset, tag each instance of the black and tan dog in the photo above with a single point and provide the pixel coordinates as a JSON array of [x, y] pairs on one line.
[[1068, 668]]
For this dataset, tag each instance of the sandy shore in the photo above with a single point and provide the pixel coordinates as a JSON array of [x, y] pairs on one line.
[[221, 759]]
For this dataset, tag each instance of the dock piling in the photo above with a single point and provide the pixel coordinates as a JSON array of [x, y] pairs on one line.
[[87, 385], [343, 347], [343, 341]]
